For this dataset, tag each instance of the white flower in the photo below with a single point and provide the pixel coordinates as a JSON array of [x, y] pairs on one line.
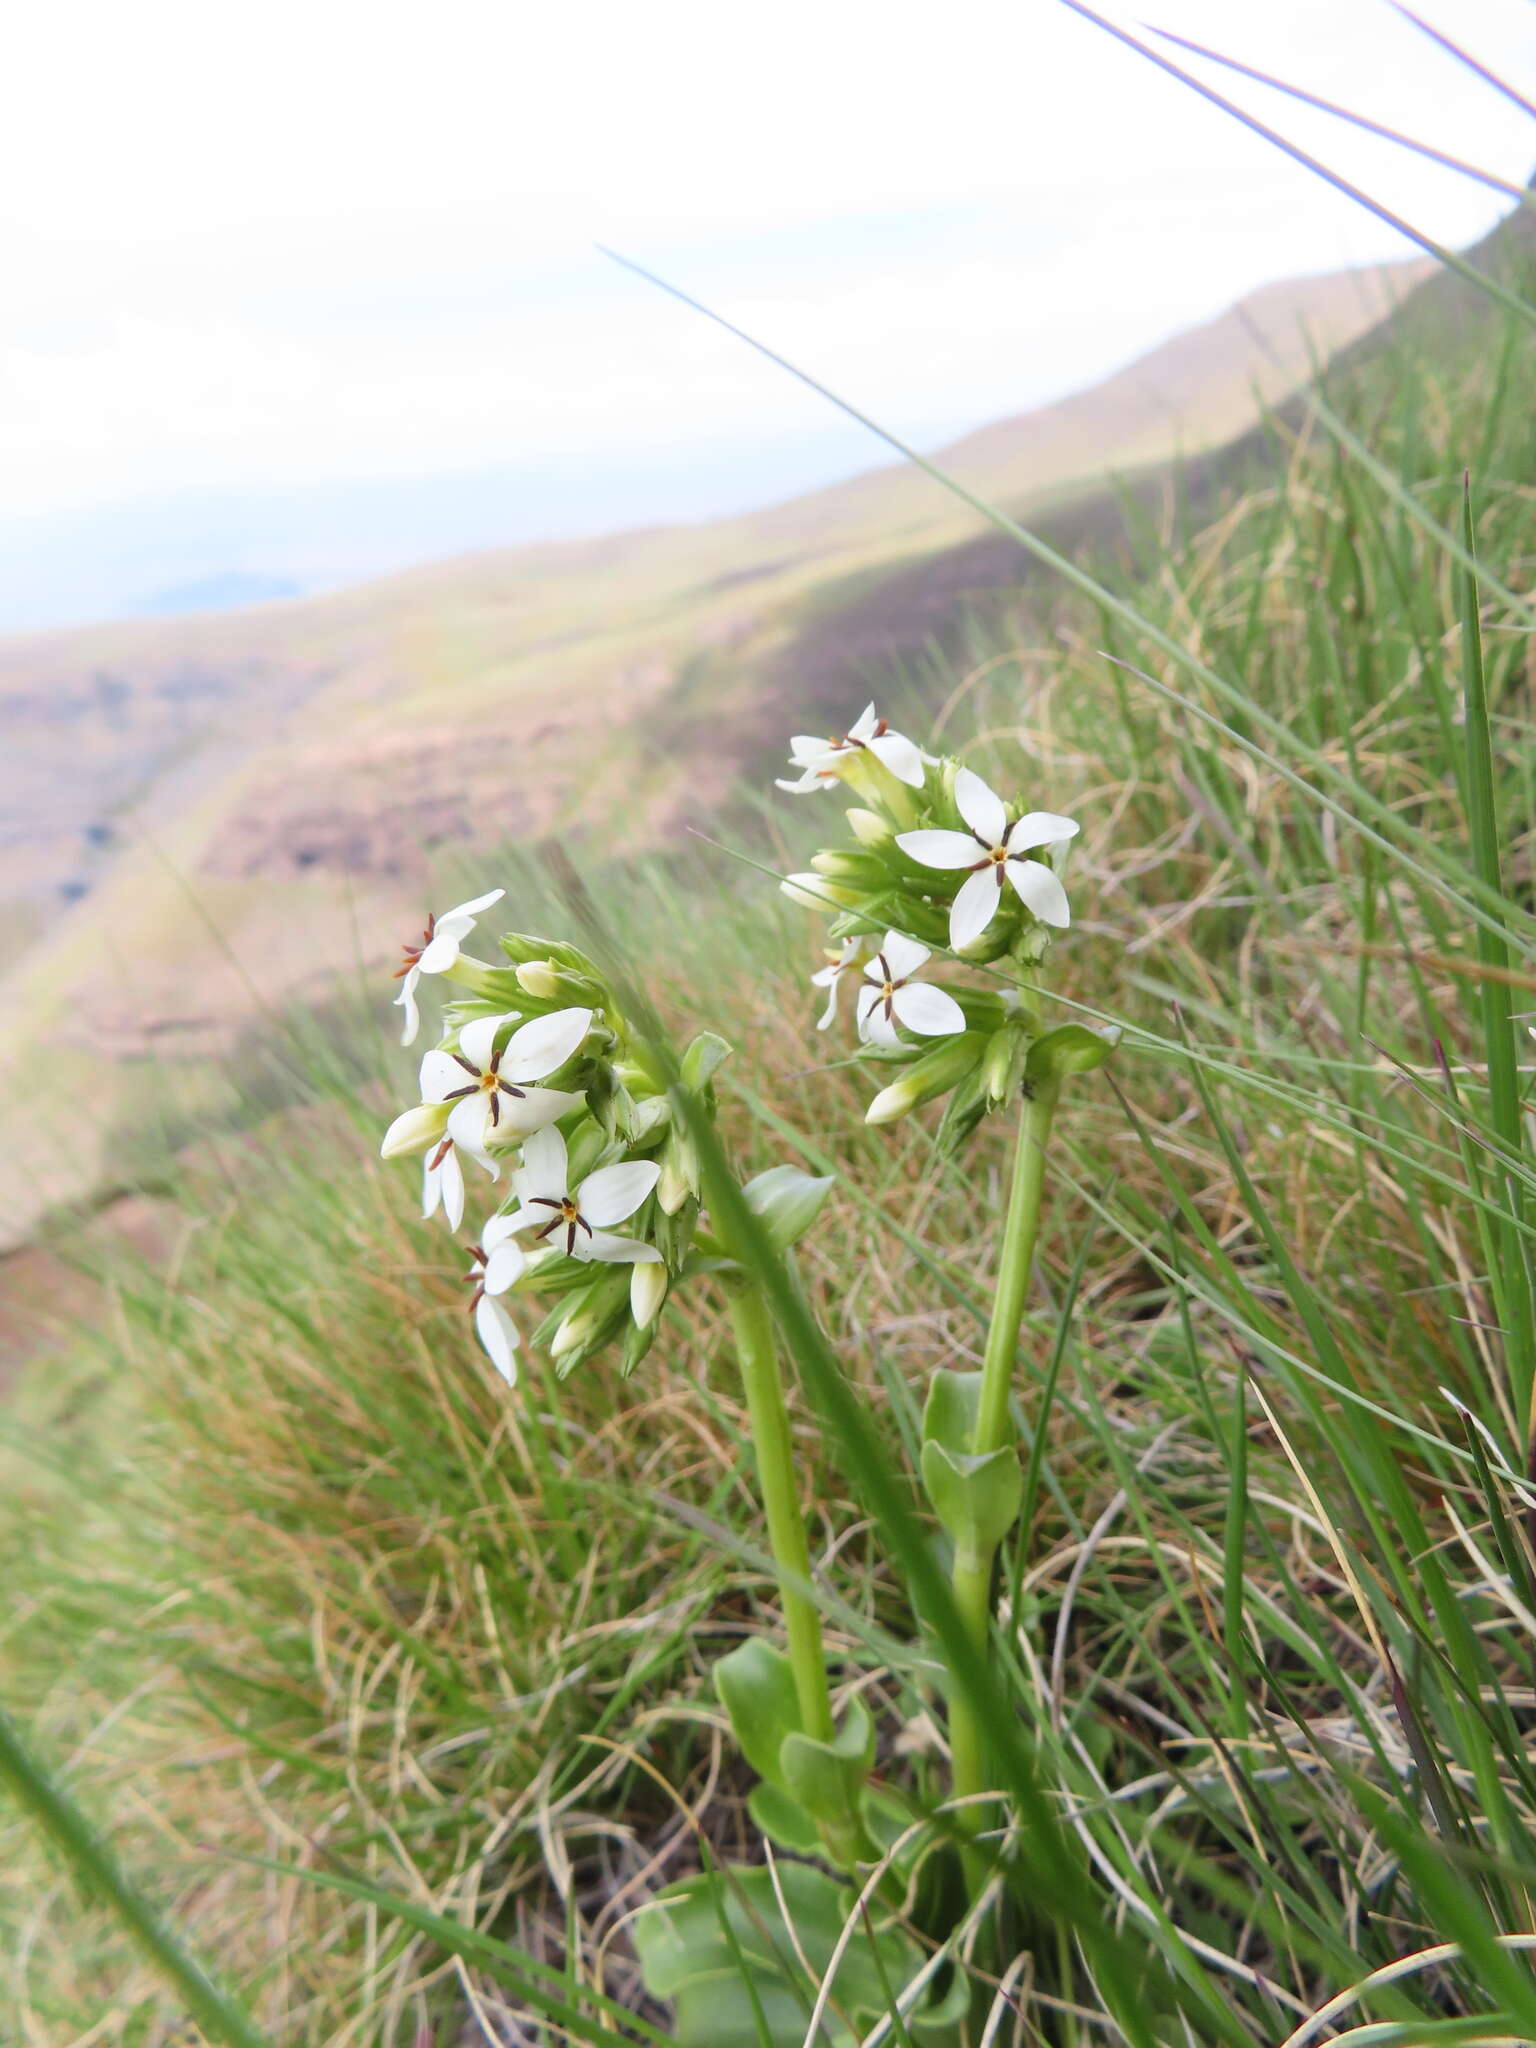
[[839, 963], [495, 1100], [647, 1292], [442, 1181], [498, 1262], [820, 760], [439, 949], [890, 996], [547, 1206], [1003, 848]]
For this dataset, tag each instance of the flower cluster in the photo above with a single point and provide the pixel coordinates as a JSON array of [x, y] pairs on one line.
[[937, 859], [536, 1086], [539, 1085]]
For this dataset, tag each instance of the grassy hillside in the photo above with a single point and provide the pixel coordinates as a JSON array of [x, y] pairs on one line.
[[250, 801], [308, 1599]]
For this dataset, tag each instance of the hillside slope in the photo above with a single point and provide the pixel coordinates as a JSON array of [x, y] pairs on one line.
[[206, 816]]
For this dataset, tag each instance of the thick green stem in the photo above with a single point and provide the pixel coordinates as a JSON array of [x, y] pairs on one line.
[[757, 1353], [972, 1573]]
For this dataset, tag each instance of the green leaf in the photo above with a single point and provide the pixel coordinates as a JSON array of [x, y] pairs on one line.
[[756, 1685], [828, 1777], [782, 1820], [1069, 1049], [700, 1939], [977, 1499]]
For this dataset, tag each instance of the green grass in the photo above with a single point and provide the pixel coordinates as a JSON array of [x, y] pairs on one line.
[[306, 1610]]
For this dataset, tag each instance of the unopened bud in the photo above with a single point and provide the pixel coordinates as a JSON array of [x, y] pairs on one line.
[[858, 870], [814, 892], [415, 1130], [539, 979], [647, 1291], [870, 829], [786, 1202], [672, 1190], [932, 1075]]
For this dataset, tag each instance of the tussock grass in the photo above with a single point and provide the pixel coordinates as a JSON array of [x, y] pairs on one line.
[[299, 1594]]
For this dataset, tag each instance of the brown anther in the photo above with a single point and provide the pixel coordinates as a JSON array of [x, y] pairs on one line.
[[414, 953]]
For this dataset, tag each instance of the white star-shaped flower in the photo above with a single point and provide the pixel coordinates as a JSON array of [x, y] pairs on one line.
[[1003, 851], [498, 1263], [890, 996], [820, 761], [489, 1088], [438, 950], [841, 962], [577, 1221]]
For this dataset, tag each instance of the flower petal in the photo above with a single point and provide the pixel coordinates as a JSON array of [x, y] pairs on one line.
[[450, 1179], [406, 1000], [899, 754], [543, 1044], [614, 1192], [544, 1165], [1041, 891], [903, 956], [875, 1027], [442, 949], [498, 1230], [1040, 828], [477, 1041], [974, 908], [520, 1219], [441, 1075], [864, 724], [498, 1333], [502, 1267], [469, 1123], [931, 1012], [522, 1116], [813, 778], [980, 806], [940, 849], [830, 979], [473, 907], [614, 1251]]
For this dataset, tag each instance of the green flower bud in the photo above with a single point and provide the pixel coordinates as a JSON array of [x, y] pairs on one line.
[[648, 1282], [539, 979], [415, 1130], [702, 1060], [857, 870], [815, 892], [932, 1075], [786, 1202], [496, 985], [870, 829]]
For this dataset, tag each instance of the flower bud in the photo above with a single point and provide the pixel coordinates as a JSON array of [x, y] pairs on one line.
[[858, 870], [786, 1202], [934, 1074], [538, 978], [814, 892], [491, 984], [870, 829], [674, 1187], [647, 1291], [415, 1130]]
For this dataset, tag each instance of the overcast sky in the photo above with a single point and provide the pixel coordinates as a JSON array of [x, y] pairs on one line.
[[339, 239]]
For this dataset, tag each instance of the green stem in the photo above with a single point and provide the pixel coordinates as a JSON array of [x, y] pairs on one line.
[[757, 1353], [1021, 1228], [971, 1577], [99, 1873]]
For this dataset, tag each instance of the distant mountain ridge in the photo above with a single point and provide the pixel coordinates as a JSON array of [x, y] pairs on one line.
[[284, 774]]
